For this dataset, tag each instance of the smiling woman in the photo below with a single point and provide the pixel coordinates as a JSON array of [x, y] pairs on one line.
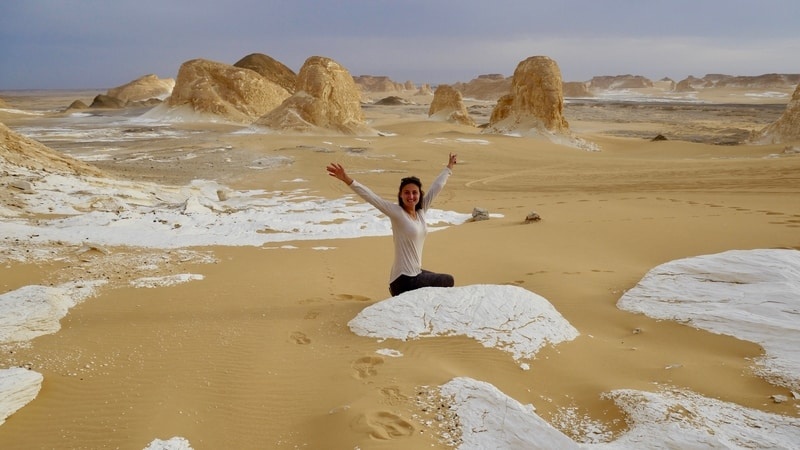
[[409, 228]]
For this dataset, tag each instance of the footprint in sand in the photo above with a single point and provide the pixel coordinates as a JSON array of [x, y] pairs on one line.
[[313, 314], [392, 395], [366, 367], [384, 425], [298, 337], [352, 298]]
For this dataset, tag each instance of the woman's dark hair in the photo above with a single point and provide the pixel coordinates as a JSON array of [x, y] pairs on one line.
[[414, 181]]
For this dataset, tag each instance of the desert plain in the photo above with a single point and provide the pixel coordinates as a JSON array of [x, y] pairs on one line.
[[256, 352]]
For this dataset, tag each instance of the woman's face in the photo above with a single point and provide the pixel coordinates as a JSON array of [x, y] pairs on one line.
[[410, 196]]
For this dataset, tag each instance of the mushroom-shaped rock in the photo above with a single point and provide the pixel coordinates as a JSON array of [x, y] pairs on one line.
[[536, 100]]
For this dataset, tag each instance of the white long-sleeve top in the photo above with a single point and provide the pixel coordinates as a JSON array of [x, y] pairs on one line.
[[408, 233]]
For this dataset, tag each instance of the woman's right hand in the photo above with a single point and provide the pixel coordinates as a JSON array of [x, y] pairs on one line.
[[337, 171]]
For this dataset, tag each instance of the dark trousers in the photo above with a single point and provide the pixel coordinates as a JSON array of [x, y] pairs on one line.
[[404, 283]]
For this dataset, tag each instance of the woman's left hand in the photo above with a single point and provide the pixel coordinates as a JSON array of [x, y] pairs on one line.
[[452, 162]]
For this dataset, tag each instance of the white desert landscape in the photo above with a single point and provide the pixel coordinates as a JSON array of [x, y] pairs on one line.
[[179, 271]]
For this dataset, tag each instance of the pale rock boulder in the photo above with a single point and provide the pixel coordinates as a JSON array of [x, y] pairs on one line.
[[425, 89], [143, 88], [271, 69], [326, 99], [18, 387], [448, 105], [787, 128], [223, 91], [536, 101]]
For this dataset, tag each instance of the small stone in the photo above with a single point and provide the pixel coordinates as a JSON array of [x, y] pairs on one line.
[[25, 186], [777, 398], [533, 216], [479, 214]]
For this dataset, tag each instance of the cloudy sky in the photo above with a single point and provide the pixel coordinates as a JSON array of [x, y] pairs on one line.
[[48, 44]]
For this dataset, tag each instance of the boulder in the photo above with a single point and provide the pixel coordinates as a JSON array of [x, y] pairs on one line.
[[143, 89], [228, 92], [448, 105], [326, 98], [536, 101], [787, 128], [270, 69]]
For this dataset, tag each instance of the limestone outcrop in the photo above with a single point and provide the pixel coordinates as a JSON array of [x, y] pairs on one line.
[[448, 105], [371, 83], [107, 101], [217, 90], [576, 89], [18, 387], [143, 88], [787, 128], [326, 98], [536, 101], [485, 87], [611, 82], [271, 69], [21, 151]]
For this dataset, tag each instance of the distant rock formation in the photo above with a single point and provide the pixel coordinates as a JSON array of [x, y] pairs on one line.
[[787, 128], [536, 101], [18, 150], [3, 104], [485, 87], [370, 83], [409, 85], [77, 104], [425, 89], [576, 89], [619, 82], [143, 88], [393, 100], [271, 69], [448, 105], [326, 98], [107, 101], [228, 92], [716, 80]]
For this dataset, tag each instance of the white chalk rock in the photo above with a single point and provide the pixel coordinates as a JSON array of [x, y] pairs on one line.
[[18, 387], [506, 317]]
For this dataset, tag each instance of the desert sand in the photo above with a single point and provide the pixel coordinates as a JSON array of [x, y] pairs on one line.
[[258, 353]]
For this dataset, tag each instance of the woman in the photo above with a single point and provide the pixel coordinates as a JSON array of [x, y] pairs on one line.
[[408, 227]]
